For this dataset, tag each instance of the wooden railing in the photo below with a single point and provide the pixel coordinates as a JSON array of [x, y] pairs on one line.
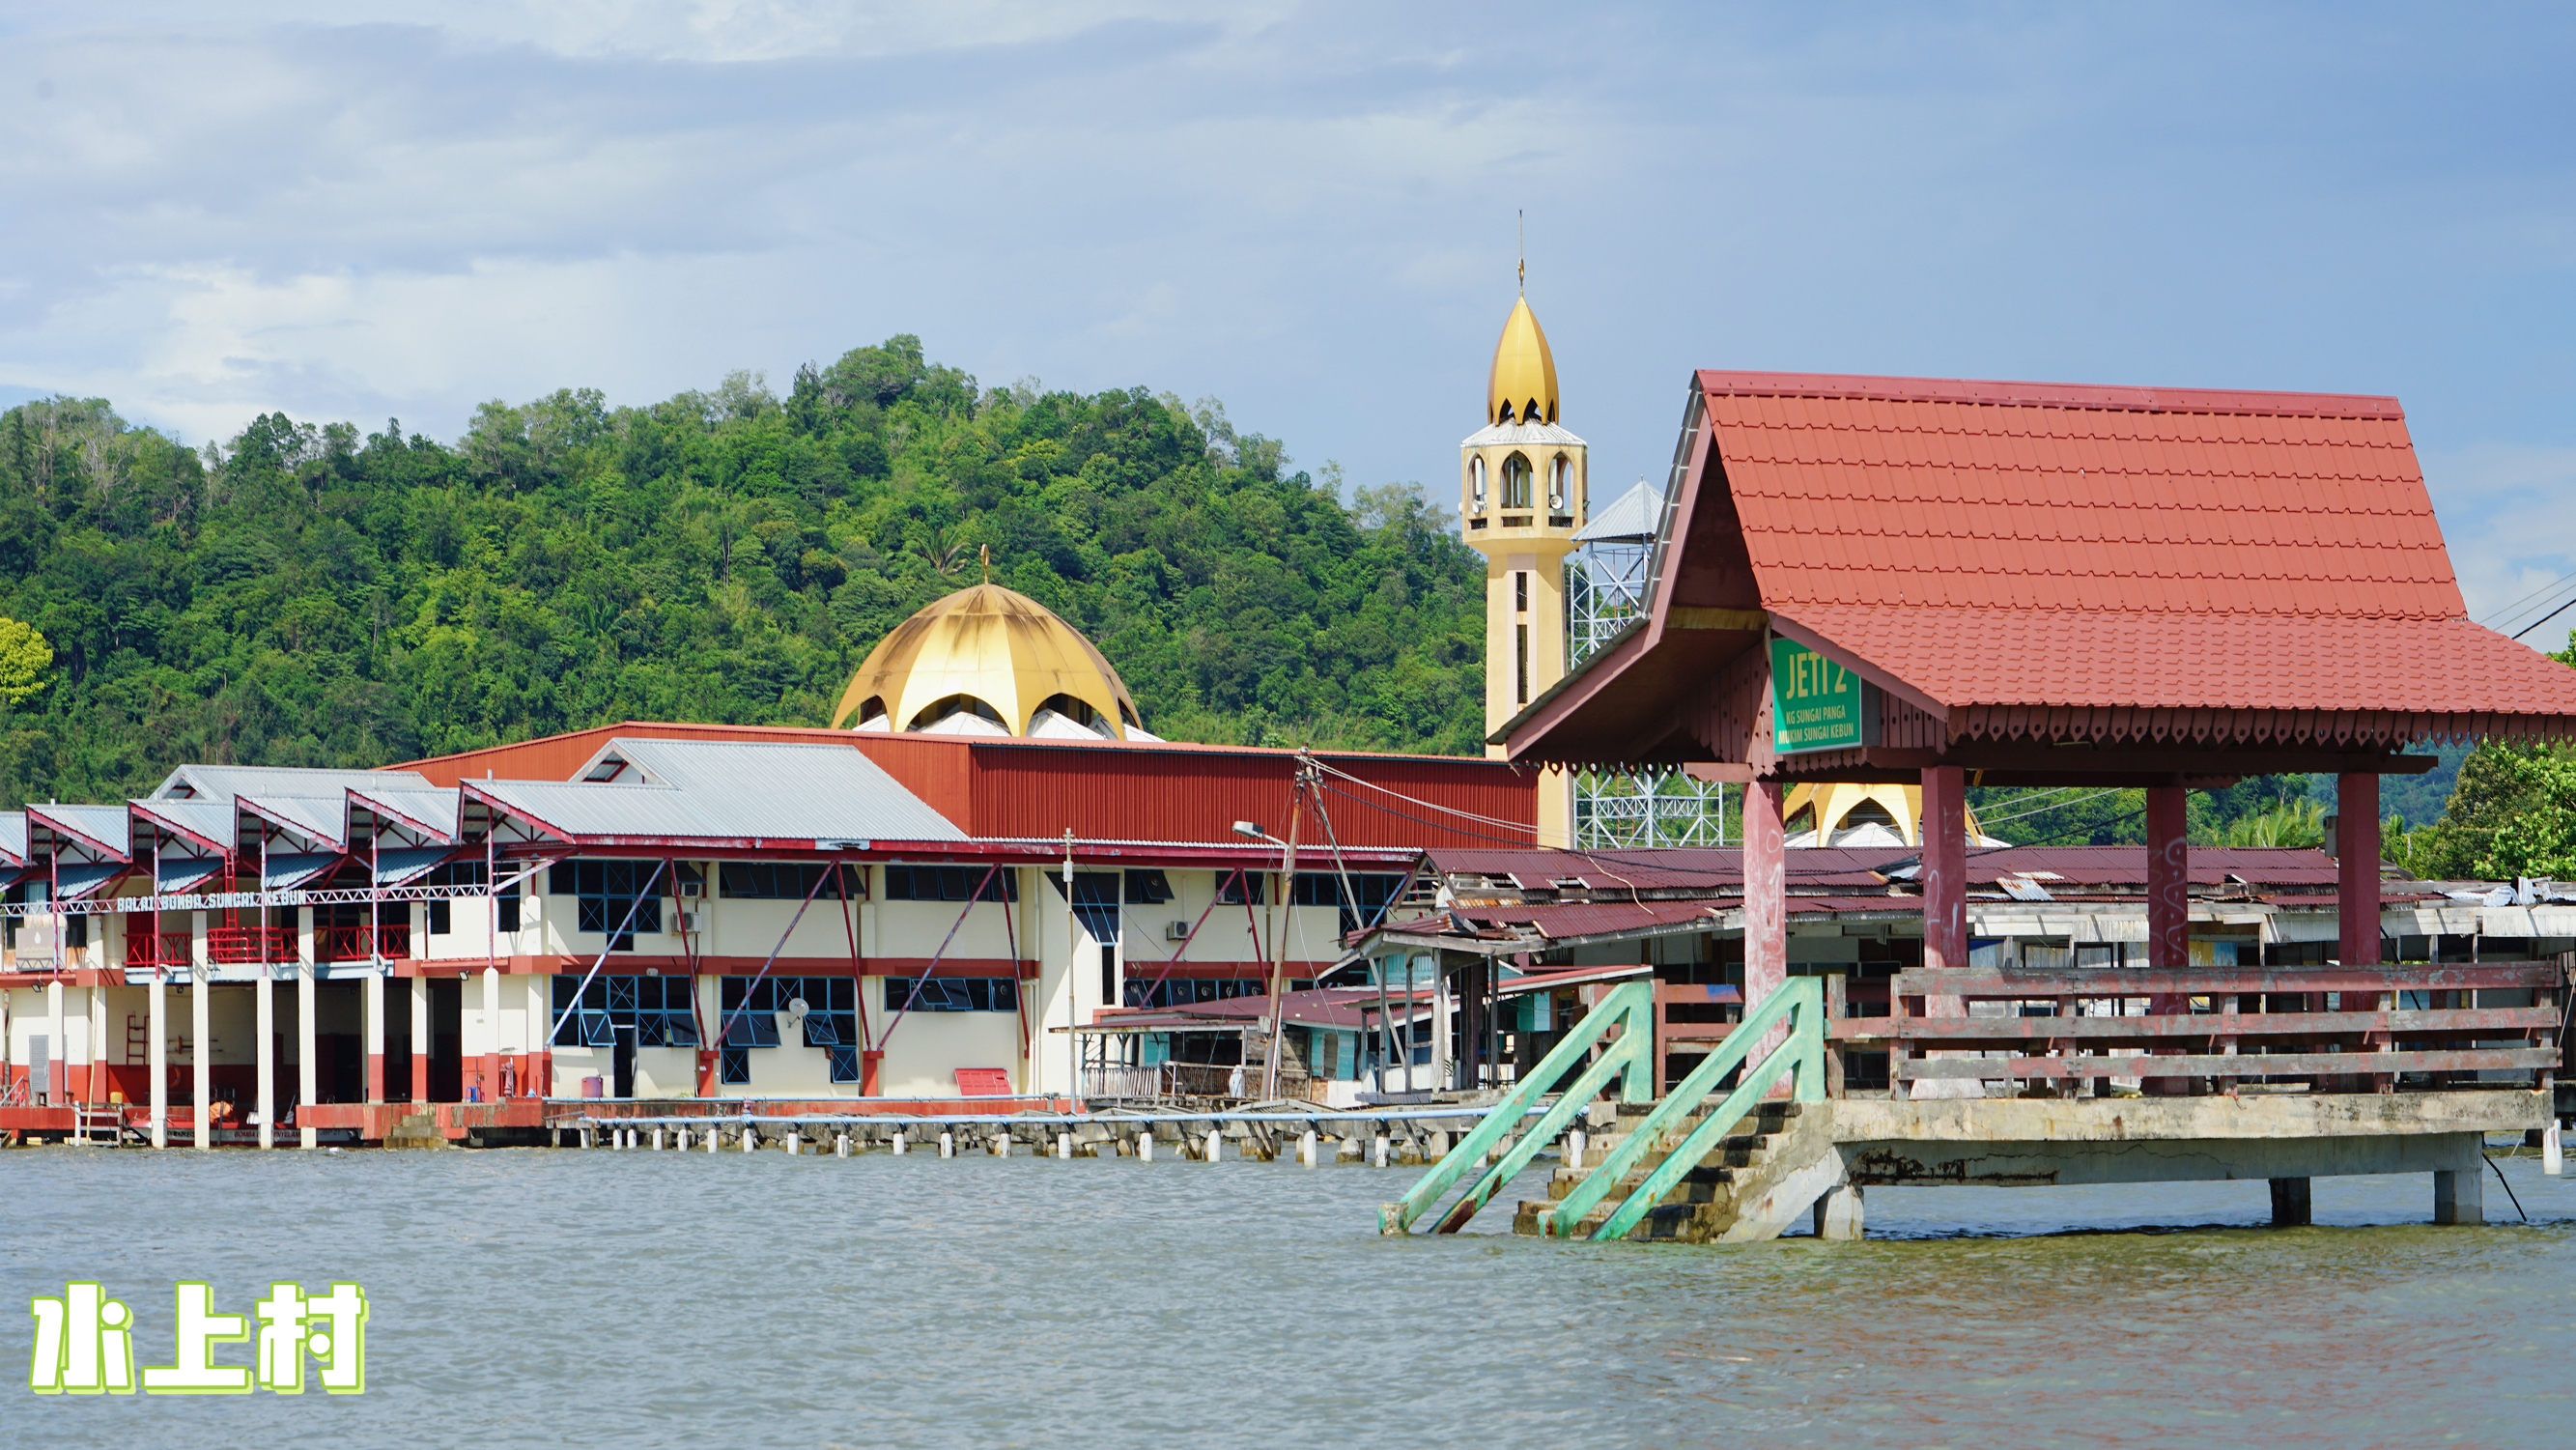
[[2213, 1029]]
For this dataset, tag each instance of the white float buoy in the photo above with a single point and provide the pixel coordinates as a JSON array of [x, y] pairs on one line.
[[898, 1140], [1145, 1145], [1306, 1148], [947, 1144], [1215, 1149]]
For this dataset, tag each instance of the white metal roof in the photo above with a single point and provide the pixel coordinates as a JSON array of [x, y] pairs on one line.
[[1635, 516], [794, 791], [1532, 435], [223, 782]]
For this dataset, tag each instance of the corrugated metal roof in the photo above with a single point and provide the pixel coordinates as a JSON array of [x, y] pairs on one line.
[[788, 790], [105, 827], [1592, 918], [434, 809], [174, 875], [283, 871], [324, 820], [1633, 517], [78, 882], [211, 820], [1525, 435], [227, 781], [583, 809], [13, 836], [401, 868]]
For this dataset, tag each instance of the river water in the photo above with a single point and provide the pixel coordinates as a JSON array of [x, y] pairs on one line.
[[533, 1297]]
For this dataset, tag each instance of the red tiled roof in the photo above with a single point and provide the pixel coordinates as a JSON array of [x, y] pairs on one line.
[[2023, 544]]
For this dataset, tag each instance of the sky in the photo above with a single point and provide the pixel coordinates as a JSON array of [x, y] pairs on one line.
[[361, 211]]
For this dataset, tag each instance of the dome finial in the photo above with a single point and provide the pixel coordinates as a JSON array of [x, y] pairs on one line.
[[1524, 268], [987, 555]]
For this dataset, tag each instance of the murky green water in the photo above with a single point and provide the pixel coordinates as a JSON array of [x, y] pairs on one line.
[[642, 1299]]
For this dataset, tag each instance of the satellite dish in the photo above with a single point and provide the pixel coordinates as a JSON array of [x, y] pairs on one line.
[[796, 1007]]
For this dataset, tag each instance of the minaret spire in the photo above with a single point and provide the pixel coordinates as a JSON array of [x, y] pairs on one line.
[[1524, 216]]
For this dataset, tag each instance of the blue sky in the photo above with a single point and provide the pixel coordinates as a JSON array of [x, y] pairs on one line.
[[361, 211]]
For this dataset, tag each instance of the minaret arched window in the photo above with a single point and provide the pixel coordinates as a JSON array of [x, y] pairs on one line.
[[1476, 485], [1560, 484], [1516, 482]]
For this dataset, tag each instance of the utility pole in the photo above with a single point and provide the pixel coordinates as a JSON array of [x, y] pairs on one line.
[[1279, 935]]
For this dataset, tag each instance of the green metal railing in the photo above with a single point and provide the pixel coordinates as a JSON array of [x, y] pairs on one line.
[[1801, 1003], [1629, 1055]]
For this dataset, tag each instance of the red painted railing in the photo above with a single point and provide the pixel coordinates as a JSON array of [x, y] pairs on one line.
[[237, 945], [2211, 1029], [156, 949], [360, 943]]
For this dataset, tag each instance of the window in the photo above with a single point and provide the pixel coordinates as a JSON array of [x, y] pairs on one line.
[[952, 994], [1560, 484], [1516, 482], [1520, 663], [1183, 992], [845, 1064], [439, 917], [505, 908], [1095, 901], [788, 881], [733, 1066], [1376, 892], [1238, 888], [1520, 591], [950, 883], [611, 899], [1147, 888], [1476, 486], [658, 1010], [749, 1009]]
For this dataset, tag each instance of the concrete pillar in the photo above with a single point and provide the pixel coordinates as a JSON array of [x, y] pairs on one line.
[[1064, 1146], [750, 1138], [2290, 1203], [1574, 1148], [491, 1073], [2459, 1195], [840, 1145], [1145, 1144], [2553, 1159], [1215, 1146], [947, 1144], [201, 1061], [308, 1056], [1766, 912], [1838, 1215], [1378, 1149], [419, 1040], [95, 1074], [375, 989], [265, 990], [899, 1144], [1002, 1143], [714, 1135], [58, 1063], [201, 1050], [1306, 1148], [795, 1142], [2357, 867], [160, 1059]]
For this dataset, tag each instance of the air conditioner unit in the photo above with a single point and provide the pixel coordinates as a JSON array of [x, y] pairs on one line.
[[1176, 931], [689, 923]]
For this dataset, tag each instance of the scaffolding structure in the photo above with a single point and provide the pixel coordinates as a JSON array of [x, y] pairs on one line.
[[1606, 581]]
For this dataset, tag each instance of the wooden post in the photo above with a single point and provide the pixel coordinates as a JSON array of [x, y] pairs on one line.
[[264, 994], [2357, 867], [1945, 910], [2290, 1203], [2168, 911]]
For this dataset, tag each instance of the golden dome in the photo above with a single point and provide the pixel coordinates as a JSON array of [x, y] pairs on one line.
[[986, 660], [1836, 806], [1524, 381]]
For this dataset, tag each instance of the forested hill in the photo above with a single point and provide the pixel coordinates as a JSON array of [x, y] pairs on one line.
[[314, 595]]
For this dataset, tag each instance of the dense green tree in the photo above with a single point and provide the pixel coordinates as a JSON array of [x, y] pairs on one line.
[[308, 594]]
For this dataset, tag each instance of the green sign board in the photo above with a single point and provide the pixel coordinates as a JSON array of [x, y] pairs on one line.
[[1817, 704]]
